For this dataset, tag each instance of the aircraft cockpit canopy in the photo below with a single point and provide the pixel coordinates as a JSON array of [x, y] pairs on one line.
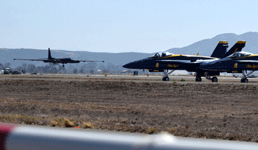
[[157, 55], [162, 54], [240, 54]]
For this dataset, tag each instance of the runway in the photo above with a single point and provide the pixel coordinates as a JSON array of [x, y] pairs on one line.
[[127, 78]]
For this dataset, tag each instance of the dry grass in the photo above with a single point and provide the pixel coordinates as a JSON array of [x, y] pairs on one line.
[[68, 123], [124, 120], [152, 130], [88, 125], [23, 119], [54, 123], [172, 130], [213, 112], [57, 122]]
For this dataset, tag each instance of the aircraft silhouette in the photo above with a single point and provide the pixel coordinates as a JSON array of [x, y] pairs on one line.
[[202, 65], [53, 60]]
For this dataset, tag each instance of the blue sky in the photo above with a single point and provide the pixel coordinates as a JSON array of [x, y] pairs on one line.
[[121, 25]]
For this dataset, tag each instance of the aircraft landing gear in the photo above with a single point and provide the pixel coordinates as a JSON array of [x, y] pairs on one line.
[[214, 79], [165, 79], [198, 79], [166, 73], [245, 75], [244, 80]]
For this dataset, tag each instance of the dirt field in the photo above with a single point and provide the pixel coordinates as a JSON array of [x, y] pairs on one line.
[[221, 111]]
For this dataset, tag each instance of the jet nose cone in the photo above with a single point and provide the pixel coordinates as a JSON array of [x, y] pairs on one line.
[[127, 65], [134, 65], [131, 65]]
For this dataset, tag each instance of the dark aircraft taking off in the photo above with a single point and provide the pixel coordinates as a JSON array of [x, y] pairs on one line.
[[202, 65], [63, 61]]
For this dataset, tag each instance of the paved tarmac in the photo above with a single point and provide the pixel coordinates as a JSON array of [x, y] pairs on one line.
[[130, 78]]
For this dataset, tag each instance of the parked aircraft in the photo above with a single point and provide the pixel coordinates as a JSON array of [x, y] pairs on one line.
[[10, 71], [63, 61], [239, 62], [191, 63]]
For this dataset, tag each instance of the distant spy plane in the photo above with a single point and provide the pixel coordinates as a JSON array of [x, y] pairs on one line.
[[63, 61]]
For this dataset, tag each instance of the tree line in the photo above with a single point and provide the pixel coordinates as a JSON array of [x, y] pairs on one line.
[[91, 67]]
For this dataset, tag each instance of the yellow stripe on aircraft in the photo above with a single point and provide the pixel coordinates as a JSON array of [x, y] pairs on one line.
[[253, 55], [223, 42], [241, 42]]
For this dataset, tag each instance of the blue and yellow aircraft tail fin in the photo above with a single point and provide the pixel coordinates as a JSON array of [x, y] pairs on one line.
[[220, 50], [49, 54], [236, 48]]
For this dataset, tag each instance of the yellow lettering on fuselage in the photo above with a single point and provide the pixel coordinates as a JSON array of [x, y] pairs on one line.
[[173, 65], [252, 66], [235, 65]]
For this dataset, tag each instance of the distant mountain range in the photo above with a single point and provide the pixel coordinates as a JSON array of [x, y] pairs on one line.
[[204, 47]]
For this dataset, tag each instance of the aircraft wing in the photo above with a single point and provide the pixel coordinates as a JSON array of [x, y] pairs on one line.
[[230, 65], [31, 59], [90, 61], [247, 61], [178, 61]]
